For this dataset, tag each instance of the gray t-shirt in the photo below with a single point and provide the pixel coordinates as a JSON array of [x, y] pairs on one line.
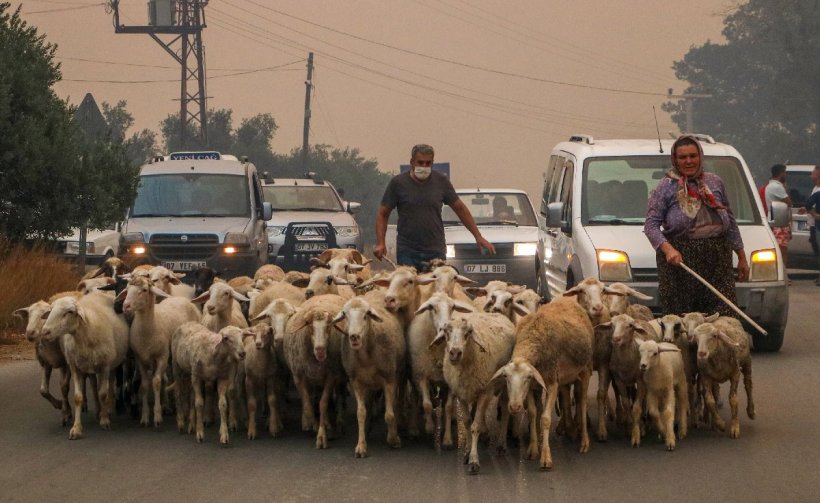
[[419, 205]]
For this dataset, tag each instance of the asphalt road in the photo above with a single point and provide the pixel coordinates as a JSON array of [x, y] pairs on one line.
[[774, 459]]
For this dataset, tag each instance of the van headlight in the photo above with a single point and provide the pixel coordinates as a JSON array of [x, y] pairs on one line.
[[347, 231], [132, 237], [275, 230], [521, 249], [613, 265], [764, 265], [237, 238], [451, 251]]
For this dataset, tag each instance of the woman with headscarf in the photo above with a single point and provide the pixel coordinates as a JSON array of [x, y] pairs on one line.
[[689, 220]]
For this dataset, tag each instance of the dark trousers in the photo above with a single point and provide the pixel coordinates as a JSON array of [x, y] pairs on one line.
[[416, 259], [815, 244]]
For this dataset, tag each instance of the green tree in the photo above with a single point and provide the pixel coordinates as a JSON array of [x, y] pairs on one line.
[[141, 145], [764, 81], [37, 148], [220, 133]]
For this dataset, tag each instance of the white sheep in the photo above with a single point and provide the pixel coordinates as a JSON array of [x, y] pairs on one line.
[[663, 386], [150, 335], [445, 278], [503, 302], [312, 349], [553, 347], [477, 345], [619, 304], [95, 341], [170, 282], [87, 286], [373, 357], [674, 332], [258, 375], [723, 353], [269, 271], [202, 357], [322, 281], [220, 309], [285, 291]]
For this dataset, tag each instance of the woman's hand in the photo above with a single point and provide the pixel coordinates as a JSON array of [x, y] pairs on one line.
[[673, 256], [742, 266]]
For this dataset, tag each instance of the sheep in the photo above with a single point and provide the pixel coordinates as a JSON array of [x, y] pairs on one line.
[[426, 362], [404, 293], [202, 357], [373, 358], [87, 286], [322, 281], [203, 278], [343, 267], [723, 353], [481, 293], [294, 276], [619, 303], [469, 368], [95, 341], [351, 256], [170, 282], [312, 351], [285, 291], [241, 284], [662, 384], [554, 347], [269, 271], [150, 335], [111, 267], [445, 278], [258, 373], [220, 308], [503, 303], [673, 332]]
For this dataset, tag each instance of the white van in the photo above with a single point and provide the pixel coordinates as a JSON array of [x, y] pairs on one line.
[[592, 215]]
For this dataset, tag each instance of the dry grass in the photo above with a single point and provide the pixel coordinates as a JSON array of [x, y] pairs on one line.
[[28, 274]]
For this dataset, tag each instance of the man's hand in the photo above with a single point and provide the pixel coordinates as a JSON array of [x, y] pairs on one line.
[[483, 244], [379, 251]]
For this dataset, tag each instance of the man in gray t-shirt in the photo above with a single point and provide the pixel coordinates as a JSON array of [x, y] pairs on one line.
[[419, 196]]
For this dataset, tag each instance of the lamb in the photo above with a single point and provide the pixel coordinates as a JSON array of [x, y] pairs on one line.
[[322, 281], [723, 353], [503, 303], [312, 349], [170, 282], [150, 335], [269, 271], [202, 357], [445, 278], [373, 358], [111, 267], [662, 384], [469, 368], [404, 293], [554, 347], [349, 255], [426, 362], [285, 291], [341, 267], [241, 284], [220, 309], [482, 293], [619, 304], [258, 374], [95, 341], [673, 332]]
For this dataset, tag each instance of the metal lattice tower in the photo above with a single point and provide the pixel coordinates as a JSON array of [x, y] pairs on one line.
[[184, 19]]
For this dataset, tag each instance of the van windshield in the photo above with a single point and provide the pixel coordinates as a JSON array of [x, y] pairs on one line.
[[493, 208], [616, 189], [192, 195]]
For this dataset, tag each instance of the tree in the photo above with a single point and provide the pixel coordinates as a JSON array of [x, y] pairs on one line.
[[220, 133], [141, 145], [764, 81]]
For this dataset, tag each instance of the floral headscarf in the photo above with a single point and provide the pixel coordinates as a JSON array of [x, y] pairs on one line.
[[690, 199]]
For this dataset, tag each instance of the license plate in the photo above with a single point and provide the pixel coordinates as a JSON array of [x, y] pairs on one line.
[[802, 225], [485, 268], [183, 266], [309, 247]]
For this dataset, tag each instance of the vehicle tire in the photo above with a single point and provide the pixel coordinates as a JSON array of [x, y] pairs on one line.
[[541, 286], [769, 343]]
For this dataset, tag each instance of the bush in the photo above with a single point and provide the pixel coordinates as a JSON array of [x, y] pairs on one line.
[[29, 273]]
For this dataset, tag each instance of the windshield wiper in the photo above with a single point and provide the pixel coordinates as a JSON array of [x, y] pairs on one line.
[[149, 215], [499, 222], [613, 221], [311, 209]]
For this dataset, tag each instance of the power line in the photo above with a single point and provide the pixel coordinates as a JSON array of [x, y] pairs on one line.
[[140, 65], [63, 9], [268, 69]]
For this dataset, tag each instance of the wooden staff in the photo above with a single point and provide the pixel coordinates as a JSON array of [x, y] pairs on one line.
[[723, 298]]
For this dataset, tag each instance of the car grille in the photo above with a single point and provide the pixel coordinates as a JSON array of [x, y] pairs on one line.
[[173, 247], [311, 232], [471, 252]]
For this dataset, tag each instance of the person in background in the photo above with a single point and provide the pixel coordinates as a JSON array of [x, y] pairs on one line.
[[813, 216], [776, 191], [419, 195], [689, 220]]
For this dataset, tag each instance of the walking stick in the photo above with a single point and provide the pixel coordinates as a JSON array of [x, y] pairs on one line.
[[723, 298]]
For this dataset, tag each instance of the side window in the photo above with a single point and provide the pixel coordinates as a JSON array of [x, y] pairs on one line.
[[545, 196], [555, 184], [566, 193], [257, 193]]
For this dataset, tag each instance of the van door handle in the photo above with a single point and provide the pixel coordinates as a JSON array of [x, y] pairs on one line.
[[552, 232]]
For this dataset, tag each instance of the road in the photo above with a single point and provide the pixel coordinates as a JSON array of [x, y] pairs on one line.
[[770, 462]]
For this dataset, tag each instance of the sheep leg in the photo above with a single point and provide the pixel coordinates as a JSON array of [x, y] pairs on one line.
[[734, 428], [321, 434], [447, 442], [308, 417], [478, 425], [232, 395], [223, 388], [549, 396], [199, 404], [393, 439], [250, 396], [667, 418], [503, 424], [274, 421], [182, 397], [602, 396], [747, 383], [583, 408], [77, 428], [532, 416], [564, 422], [65, 383], [209, 404], [636, 414], [361, 417], [105, 397], [159, 373], [682, 403], [143, 392], [716, 420], [654, 412], [95, 392], [44, 391]]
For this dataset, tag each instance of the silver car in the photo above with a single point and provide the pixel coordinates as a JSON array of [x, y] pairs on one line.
[[309, 217], [799, 187], [506, 219]]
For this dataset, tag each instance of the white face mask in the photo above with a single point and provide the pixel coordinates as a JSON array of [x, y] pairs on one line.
[[422, 172]]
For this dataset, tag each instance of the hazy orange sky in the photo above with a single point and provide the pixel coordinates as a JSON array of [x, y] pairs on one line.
[[496, 130]]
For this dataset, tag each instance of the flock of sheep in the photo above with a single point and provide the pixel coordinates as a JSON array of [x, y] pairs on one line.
[[391, 340]]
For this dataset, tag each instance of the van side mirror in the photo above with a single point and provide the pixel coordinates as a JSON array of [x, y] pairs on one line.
[[779, 214], [553, 214], [267, 211], [353, 206]]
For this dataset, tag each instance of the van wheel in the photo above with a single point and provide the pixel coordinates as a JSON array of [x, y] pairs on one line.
[[769, 343], [541, 287]]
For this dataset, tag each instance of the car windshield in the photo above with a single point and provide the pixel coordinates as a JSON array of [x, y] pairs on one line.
[[616, 189], [192, 195], [493, 208], [799, 186], [302, 198]]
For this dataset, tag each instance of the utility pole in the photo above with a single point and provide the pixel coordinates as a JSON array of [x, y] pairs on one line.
[[185, 19], [306, 131], [688, 106]]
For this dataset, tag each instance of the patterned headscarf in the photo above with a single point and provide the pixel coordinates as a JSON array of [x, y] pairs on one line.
[[690, 199]]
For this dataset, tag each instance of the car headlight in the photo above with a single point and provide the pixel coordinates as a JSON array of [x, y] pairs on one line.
[[236, 238], [72, 247], [347, 231], [451, 251], [613, 265], [520, 249], [764, 265], [132, 237], [275, 230], [138, 249]]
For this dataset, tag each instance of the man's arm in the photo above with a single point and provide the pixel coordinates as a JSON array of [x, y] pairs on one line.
[[381, 230], [467, 219]]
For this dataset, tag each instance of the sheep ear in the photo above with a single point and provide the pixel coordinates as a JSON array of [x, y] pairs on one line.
[[437, 340], [245, 333], [81, 286], [610, 291], [462, 307], [519, 309], [488, 305], [712, 317], [499, 374], [81, 314], [608, 324], [424, 307], [238, 296], [99, 272], [515, 289], [667, 349], [464, 280], [301, 326], [176, 277], [533, 372], [202, 298], [642, 330], [728, 340], [478, 343], [339, 317], [21, 313], [367, 261], [340, 281], [373, 316], [355, 267], [317, 262], [572, 291], [301, 282], [638, 295], [476, 291], [326, 255], [357, 257], [425, 279], [121, 296], [159, 293], [261, 316]]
